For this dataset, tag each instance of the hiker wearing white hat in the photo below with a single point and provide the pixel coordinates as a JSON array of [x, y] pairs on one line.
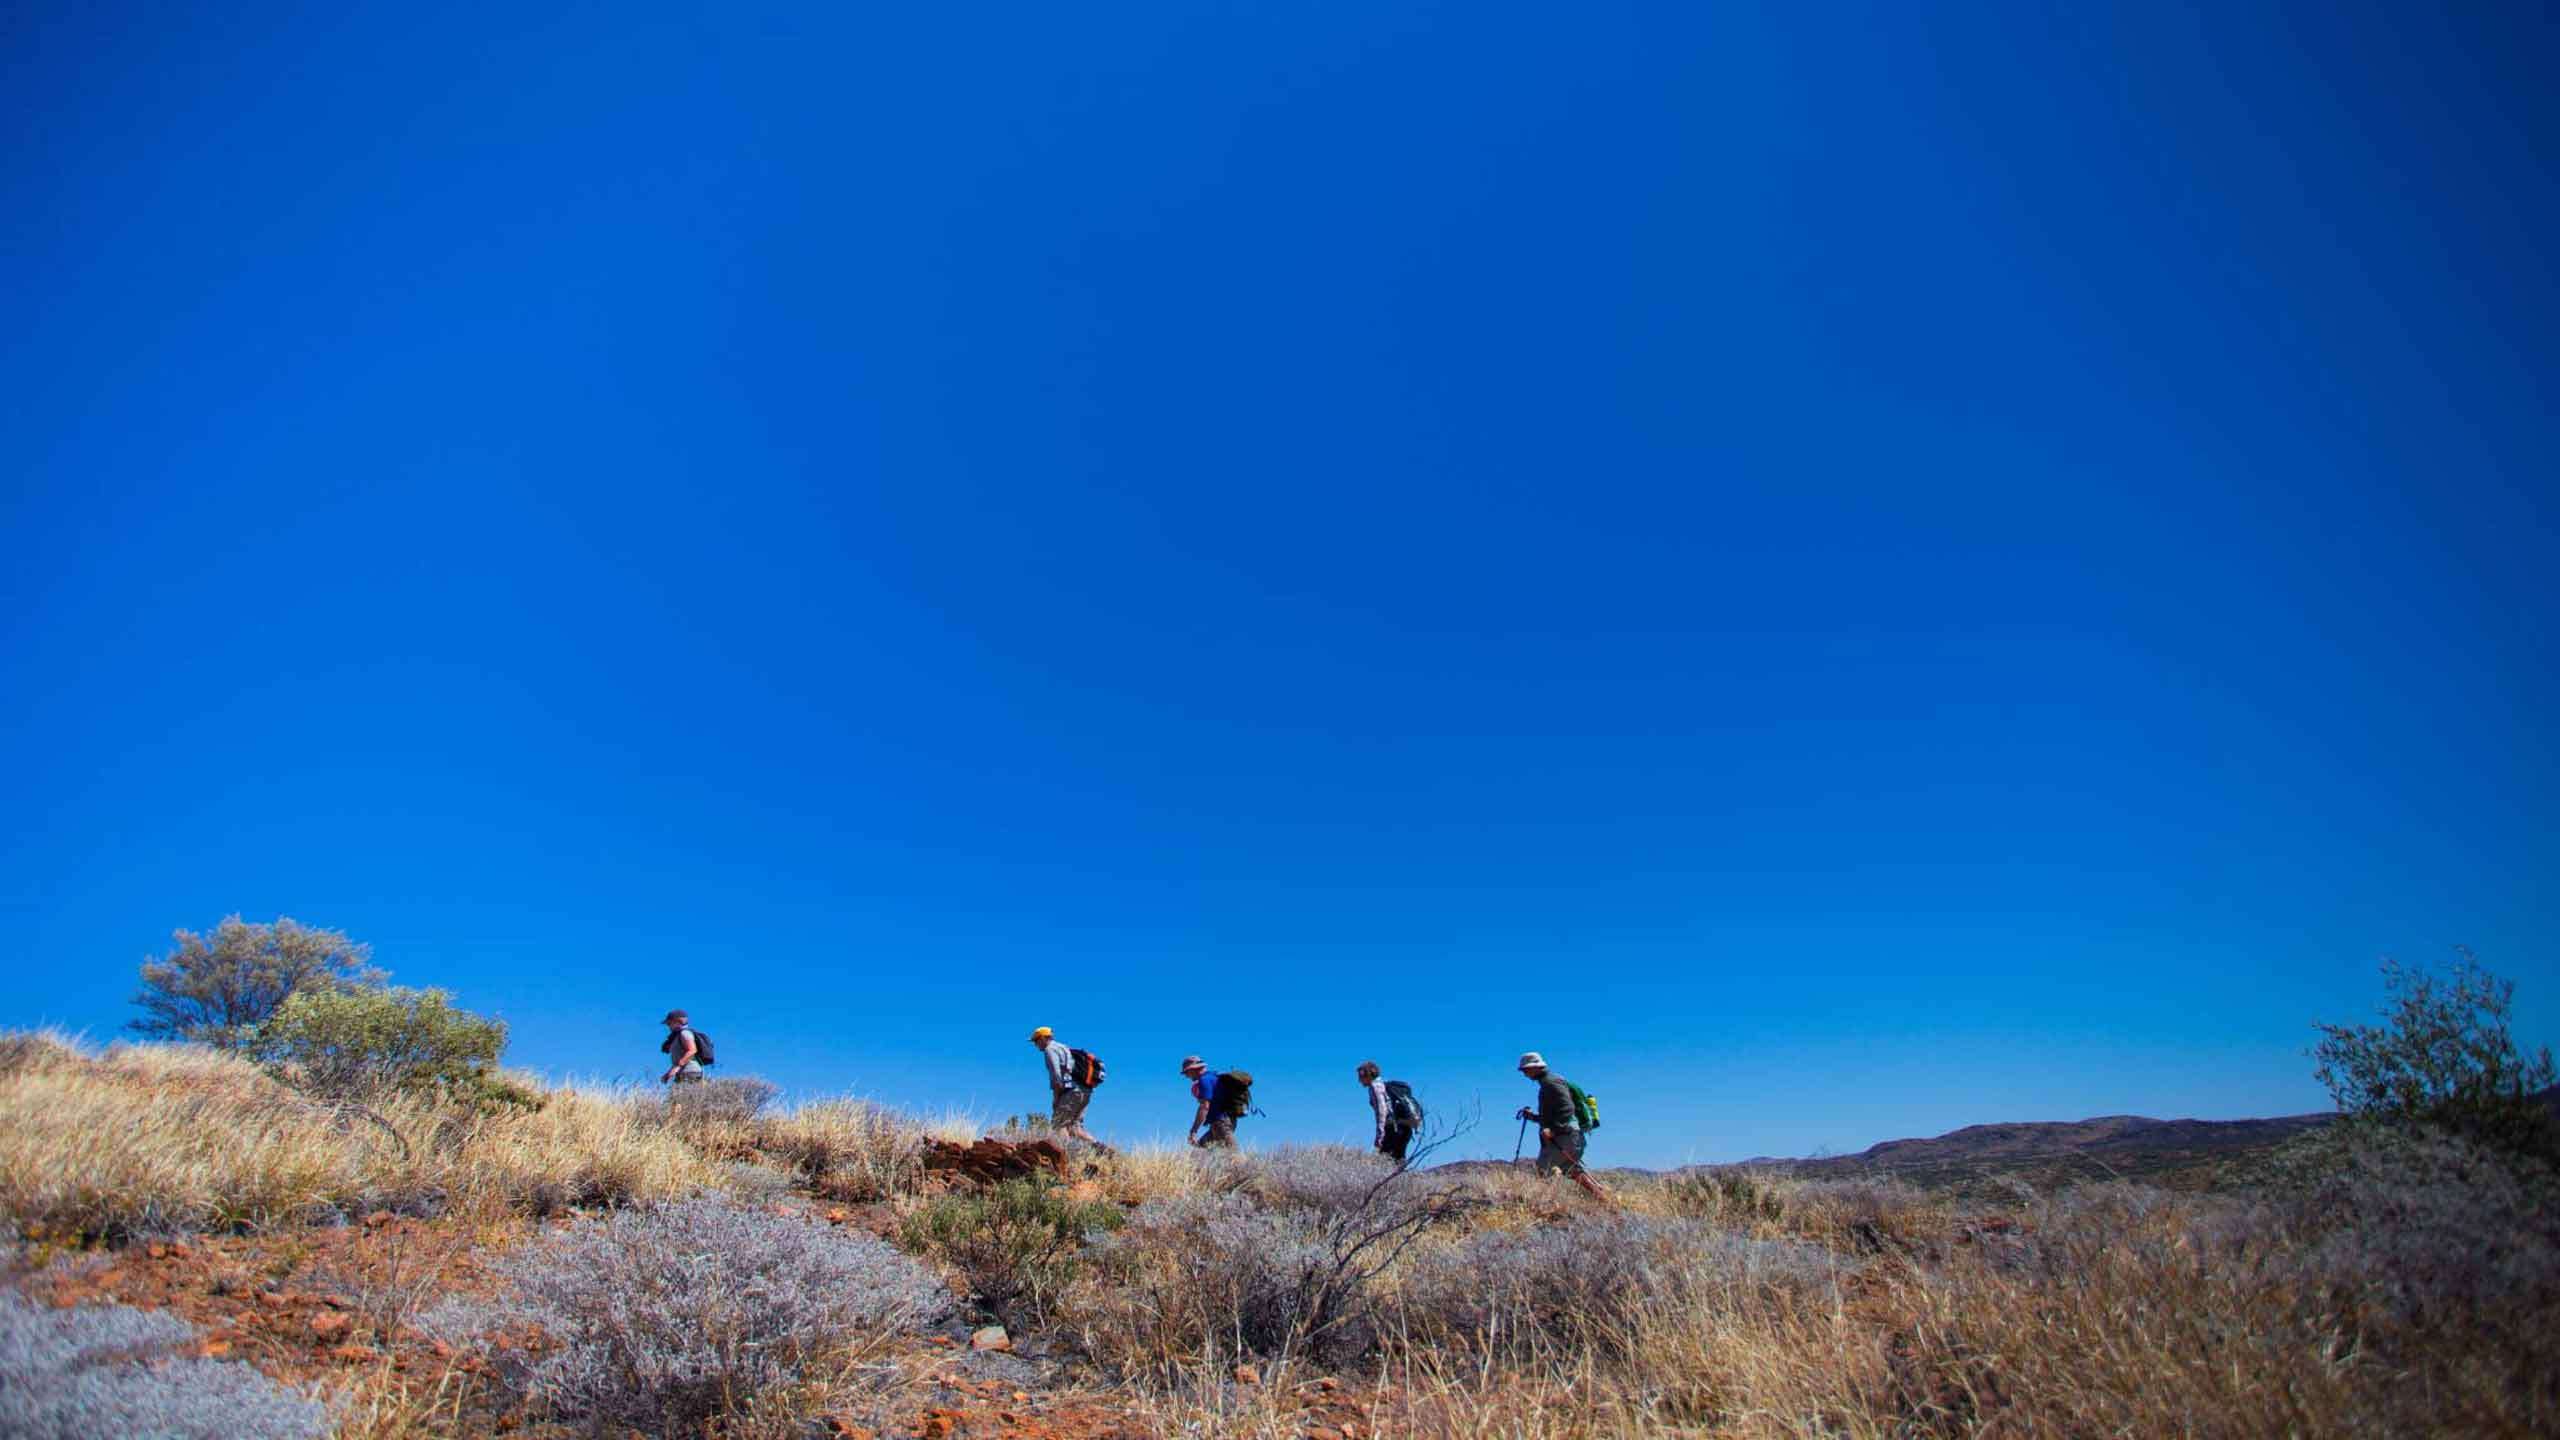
[[1564, 1116], [1221, 1100]]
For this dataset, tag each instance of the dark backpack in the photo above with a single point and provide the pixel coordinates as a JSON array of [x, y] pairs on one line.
[[1232, 1094], [1402, 1108], [701, 1046], [1084, 1068]]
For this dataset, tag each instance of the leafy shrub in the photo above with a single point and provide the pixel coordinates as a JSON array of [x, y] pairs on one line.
[[1015, 1244], [112, 1370], [1582, 1286], [669, 1318], [721, 1100], [2444, 1059], [353, 1043], [219, 989]]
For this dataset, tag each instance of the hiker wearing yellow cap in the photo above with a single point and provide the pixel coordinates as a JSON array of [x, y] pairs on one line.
[[1072, 1076]]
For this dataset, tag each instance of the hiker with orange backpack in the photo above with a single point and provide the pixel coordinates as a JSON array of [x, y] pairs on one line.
[[1072, 1076], [1565, 1116], [1224, 1097]]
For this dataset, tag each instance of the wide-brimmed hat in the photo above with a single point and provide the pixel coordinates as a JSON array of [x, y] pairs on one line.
[[1533, 1061], [1193, 1062]]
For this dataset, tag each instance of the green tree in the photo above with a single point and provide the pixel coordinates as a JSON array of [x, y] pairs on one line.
[[349, 1043], [2444, 1058], [218, 989]]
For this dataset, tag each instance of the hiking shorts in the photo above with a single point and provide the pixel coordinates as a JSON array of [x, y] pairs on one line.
[[1563, 1154], [1066, 1107], [1221, 1132], [690, 1074], [1398, 1137]]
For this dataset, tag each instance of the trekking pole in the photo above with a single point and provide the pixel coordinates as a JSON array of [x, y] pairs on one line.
[[1522, 1143]]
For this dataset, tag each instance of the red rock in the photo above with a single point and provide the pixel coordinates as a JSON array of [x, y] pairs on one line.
[[991, 1161], [330, 1322], [1247, 1375], [352, 1354], [274, 1299], [377, 1219]]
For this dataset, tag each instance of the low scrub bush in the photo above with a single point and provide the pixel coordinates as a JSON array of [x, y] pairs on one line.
[[754, 1182], [1016, 1244], [1325, 1177], [1580, 1288], [1199, 1279], [1743, 1198], [721, 1100], [110, 1370], [671, 1319], [2413, 1237]]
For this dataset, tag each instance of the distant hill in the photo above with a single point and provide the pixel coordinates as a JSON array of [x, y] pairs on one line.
[[2045, 1152], [2130, 1147]]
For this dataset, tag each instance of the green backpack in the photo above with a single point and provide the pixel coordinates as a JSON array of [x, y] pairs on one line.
[[1586, 1111]]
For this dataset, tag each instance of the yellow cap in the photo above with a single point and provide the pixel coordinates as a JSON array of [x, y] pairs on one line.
[[1043, 1033]]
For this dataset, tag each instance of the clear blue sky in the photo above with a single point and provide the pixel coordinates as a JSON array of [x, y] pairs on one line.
[[1842, 570]]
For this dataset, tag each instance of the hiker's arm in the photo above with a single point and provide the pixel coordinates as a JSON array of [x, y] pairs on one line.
[[1056, 1059], [682, 1053], [1378, 1105], [1200, 1117]]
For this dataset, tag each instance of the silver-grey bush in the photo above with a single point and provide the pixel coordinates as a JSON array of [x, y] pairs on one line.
[[665, 1318], [112, 1370], [1580, 1285]]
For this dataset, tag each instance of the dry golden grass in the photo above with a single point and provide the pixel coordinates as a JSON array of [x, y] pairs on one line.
[[141, 1139]]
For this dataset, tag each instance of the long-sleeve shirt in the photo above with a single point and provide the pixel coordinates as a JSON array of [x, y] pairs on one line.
[[1061, 1068], [1381, 1107], [1555, 1104]]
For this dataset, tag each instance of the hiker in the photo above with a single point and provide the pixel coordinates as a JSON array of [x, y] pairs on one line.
[[1072, 1076], [1393, 1106], [1225, 1097], [687, 1052], [1564, 1115]]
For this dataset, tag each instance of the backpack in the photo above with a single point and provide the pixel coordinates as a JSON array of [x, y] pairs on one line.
[[1084, 1068], [1232, 1095], [1402, 1108], [1586, 1111], [701, 1047]]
